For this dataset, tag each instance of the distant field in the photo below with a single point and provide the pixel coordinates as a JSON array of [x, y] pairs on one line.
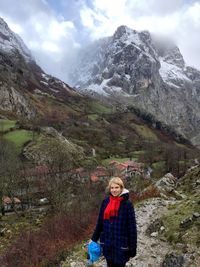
[[19, 137], [158, 165], [136, 154], [107, 161], [145, 132], [6, 125], [93, 117], [99, 108]]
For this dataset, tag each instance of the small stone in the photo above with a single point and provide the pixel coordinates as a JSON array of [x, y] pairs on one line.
[[198, 182], [195, 215], [154, 256], [186, 222], [162, 228], [185, 249], [154, 234], [192, 257]]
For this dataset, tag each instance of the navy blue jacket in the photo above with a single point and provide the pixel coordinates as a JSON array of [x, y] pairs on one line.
[[118, 236]]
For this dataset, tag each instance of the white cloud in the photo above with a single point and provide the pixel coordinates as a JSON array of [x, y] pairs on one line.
[[51, 39], [177, 19], [53, 30]]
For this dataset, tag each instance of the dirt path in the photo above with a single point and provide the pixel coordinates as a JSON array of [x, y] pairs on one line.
[[151, 251]]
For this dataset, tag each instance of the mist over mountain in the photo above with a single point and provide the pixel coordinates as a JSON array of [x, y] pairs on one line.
[[136, 68]]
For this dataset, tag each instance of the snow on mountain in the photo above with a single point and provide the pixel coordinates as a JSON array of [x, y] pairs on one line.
[[148, 71], [171, 73], [11, 42], [97, 62]]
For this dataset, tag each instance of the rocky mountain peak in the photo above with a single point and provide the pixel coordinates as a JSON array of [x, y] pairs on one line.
[[4, 26], [121, 31], [168, 51], [11, 43], [139, 69], [20, 76]]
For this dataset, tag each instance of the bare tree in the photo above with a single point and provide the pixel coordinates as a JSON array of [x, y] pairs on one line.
[[61, 157], [9, 170]]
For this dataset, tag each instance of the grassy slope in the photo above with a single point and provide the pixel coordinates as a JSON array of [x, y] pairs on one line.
[[19, 137], [177, 213], [6, 125], [187, 238]]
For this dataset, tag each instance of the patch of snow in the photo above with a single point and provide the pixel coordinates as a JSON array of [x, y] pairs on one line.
[[132, 37], [99, 88], [53, 90], [170, 72], [45, 76], [38, 92], [172, 84], [128, 77], [43, 82]]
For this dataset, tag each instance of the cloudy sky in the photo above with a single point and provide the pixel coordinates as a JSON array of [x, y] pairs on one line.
[[55, 29]]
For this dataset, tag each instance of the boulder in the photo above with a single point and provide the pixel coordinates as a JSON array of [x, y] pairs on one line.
[[173, 260], [167, 184]]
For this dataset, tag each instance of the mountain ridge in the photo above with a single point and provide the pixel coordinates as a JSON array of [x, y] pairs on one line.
[[141, 70]]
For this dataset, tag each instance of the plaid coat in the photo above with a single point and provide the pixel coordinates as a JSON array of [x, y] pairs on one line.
[[118, 236]]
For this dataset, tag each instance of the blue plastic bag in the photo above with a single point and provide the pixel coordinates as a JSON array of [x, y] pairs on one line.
[[94, 251]]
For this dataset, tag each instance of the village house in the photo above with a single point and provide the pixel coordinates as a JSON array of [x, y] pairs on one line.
[[8, 204], [126, 169], [79, 174], [100, 173]]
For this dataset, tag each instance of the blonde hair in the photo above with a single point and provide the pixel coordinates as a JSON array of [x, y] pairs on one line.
[[115, 180]]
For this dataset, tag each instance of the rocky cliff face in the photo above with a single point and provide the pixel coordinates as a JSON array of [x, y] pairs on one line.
[[138, 69]]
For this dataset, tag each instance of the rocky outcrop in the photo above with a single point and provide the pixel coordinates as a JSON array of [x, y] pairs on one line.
[[167, 183], [13, 101], [167, 186], [52, 149]]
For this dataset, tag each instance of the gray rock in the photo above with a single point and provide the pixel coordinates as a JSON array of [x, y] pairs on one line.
[[173, 260], [186, 222], [154, 234], [154, 227], [198, 182], [13, 100], [196, 216]]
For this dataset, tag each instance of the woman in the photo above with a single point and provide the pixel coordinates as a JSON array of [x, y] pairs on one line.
[[116, 225]]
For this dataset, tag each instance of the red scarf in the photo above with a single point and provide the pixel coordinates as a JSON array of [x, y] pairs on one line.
[[112, 207]]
